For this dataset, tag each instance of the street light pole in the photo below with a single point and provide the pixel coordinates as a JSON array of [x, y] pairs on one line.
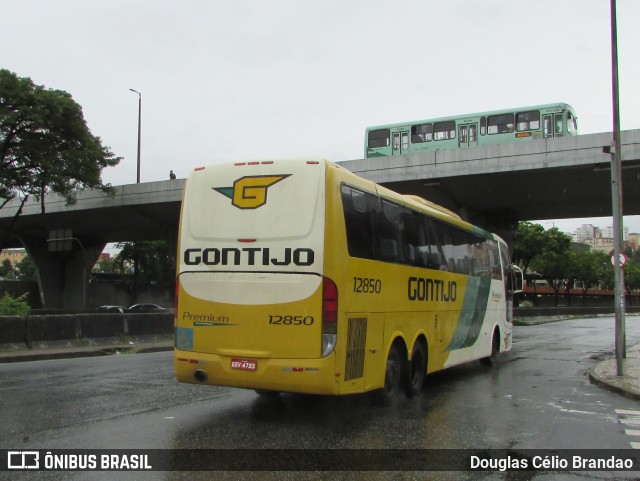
[[139, 130], [616, 194], [135, 245]]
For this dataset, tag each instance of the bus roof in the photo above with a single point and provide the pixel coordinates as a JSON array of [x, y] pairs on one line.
[[416, 203]]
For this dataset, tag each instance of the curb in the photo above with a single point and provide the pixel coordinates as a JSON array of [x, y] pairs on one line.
[[45, 355], [605, 375]]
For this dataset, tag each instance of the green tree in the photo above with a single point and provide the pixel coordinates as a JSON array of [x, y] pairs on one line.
[[6, 269], [45, 144], [555, 261], [528, 243], [632, 276], [14, 306], [112, 265], [26, 269], [153, 262], [588, 270]]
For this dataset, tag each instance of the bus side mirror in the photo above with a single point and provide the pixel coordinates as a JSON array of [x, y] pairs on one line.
[[517, 279]]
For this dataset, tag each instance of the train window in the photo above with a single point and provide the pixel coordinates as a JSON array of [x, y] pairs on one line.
[[500, 124], [421, 133], [378, 138], [463, 134], [559, 124], [405, 140], [528, 120], [546, 121], [445, 130], [483, 125], [572, 124], [472, 132]]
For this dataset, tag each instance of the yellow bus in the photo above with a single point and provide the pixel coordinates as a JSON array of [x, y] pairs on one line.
[[299, 276]]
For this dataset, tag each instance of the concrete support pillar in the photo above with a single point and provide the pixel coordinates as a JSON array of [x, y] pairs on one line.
[[63, 277]]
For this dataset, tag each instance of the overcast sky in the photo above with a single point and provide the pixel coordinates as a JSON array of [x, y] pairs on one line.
[[246, 79]]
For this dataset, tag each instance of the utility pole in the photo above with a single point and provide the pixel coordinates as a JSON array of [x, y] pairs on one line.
[[139, 131], [616, 197]]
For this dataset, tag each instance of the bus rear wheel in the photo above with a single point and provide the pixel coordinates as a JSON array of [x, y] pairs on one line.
[[416, 371], [392, 378], [266, 393]]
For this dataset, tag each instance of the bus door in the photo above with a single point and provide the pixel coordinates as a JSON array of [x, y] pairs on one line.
[[468, 135], [400, 142]]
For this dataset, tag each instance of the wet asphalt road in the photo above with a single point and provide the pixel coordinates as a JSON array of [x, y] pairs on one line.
[[537, 396]]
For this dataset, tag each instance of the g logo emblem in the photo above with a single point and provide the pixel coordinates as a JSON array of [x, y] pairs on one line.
[[250, 192]]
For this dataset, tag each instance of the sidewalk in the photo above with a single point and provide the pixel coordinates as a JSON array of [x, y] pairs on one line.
[[605, 375]]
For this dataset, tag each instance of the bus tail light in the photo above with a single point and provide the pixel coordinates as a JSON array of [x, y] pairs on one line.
[[329, 316]]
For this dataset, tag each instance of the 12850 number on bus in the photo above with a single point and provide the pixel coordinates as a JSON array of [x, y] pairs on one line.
[[291, 320], [367, 285]]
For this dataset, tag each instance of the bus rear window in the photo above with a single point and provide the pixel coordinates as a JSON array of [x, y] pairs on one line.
[[378, 138]]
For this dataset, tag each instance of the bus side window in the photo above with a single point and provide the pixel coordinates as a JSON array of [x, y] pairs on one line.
[[359, 211], [415, 239], [436, 234], [390, 233]]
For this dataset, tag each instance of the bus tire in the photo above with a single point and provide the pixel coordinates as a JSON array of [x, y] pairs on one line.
[[392, 378], [495, 350], [267, 393], [416, 370]]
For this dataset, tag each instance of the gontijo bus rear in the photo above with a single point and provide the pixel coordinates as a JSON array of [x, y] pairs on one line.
[[298, 276]]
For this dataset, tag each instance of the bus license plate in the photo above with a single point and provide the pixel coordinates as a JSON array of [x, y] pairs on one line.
[[244, 364]]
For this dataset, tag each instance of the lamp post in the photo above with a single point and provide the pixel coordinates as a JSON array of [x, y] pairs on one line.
[[139, 130], [616, 194], [135, 245]]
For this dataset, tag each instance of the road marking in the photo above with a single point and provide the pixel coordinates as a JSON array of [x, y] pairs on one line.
[[632, 422], [630, 418], [627, 412]]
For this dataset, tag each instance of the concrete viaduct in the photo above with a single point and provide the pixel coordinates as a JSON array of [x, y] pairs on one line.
[[491, 186]]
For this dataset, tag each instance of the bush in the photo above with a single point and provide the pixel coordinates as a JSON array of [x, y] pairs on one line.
[[14, 306]]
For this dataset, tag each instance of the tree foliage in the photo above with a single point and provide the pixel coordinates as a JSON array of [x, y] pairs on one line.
[[589, 270], [555, 261], [529, 242], [45, 143], [14, 306], [27, 270], [6, 269], [155, 261]]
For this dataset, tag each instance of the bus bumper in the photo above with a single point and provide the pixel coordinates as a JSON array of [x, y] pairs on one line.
[[309, 376]]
